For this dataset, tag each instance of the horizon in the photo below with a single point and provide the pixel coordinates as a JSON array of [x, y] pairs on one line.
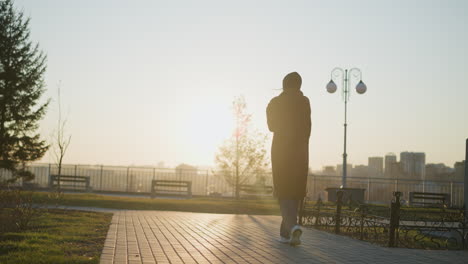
[[124, 67], [162, 165]]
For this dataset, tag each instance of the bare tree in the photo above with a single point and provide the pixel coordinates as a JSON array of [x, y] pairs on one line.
[[60, 140], [242, 156]]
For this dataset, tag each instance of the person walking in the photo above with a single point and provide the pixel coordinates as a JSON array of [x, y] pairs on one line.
[[288, 117]]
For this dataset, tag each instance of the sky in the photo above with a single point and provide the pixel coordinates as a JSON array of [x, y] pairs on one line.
[[150, 81]]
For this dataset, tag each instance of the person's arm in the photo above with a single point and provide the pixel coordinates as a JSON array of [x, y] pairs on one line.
[[308, 119], [271, 116]]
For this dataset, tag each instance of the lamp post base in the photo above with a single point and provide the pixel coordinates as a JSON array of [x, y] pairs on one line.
[[349, 194]]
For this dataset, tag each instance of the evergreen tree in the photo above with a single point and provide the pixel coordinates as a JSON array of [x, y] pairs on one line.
[[21, 86]]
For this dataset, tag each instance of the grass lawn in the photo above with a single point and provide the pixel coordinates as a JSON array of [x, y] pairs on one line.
[[225, 206], [202, 205], [57, 236]]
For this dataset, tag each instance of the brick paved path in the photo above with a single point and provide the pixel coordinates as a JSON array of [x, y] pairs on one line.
[[178, 237]]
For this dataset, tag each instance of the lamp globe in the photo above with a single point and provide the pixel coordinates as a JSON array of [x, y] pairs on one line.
[[361, 87], [331, 87]]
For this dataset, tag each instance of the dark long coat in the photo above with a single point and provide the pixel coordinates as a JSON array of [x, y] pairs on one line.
[[288, 117]]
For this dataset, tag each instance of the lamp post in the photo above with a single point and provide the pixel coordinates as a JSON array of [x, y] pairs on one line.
[[345, 76], [2, 72], [465, 185]]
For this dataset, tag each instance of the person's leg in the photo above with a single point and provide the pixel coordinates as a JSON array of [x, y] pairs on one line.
[[283, 231], [289, 209], [295, 231]]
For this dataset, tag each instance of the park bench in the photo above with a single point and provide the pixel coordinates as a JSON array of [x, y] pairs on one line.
[[253, 189], [71, 182], [167, 187], [426, 199]]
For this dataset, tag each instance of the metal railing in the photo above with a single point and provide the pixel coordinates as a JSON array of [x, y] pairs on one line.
[[207, 182], [397, 226], [380, 190]]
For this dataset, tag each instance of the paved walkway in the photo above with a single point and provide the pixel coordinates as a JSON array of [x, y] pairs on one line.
[[178, 237]]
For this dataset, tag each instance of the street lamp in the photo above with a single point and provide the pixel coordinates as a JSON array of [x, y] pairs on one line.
[[345, 76], [2, 71]]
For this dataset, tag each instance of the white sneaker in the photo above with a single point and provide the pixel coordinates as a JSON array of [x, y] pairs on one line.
[[296, 233], [283, 240]]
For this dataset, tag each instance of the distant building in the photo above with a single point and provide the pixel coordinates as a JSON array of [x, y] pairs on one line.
[[413, 165], [185, 169], [339, 169], [329, 170], [395, 171], [161, 164], [438, 172], [459, 170], [375, 166], [389, 159], [360, 171]]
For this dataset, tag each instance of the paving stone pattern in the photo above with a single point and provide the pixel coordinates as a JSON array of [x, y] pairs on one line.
[[179, 237]]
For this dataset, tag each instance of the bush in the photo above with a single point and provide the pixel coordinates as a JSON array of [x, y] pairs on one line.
[[16, 210]]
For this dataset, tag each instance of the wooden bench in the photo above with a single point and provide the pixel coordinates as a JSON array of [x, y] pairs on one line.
[[256, 189], [72, 182], [167, 187], [426, 199]]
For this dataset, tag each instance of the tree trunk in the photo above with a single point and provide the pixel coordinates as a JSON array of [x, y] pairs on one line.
[[59, 173], [237, 164]]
